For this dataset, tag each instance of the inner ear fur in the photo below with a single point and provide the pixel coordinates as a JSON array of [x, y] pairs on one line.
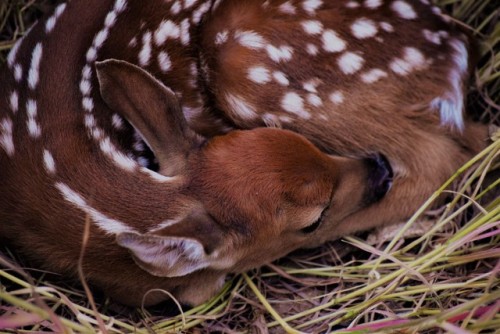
[[151, 108]]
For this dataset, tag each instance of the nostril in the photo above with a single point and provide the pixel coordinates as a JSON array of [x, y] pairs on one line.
[[380, 177]]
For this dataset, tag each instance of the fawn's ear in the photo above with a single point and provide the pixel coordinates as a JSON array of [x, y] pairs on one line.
[[195, 243], [151, 108]]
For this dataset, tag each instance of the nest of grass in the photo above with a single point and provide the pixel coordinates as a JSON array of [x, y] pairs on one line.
[[444, 277]]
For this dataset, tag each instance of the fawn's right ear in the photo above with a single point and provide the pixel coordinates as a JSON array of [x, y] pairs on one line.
[[151, 108]]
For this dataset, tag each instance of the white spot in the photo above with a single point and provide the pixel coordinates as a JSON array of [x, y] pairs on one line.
[[51, 22], [332, 42], [191, 113], [185, 37], [120, 6], [287, 8], [49, 163], [271, 120], [311, 6], [259, 74], [11, 58], [293, 103], [312, 27], [117, 122], [176, 8], [145, 53], [34, 129], [373, 75], [18, 72], [133, 42], [451, 104], [34, 72], [386, 26], [221, 37], [404, 10], [412, 60], [250, 39], [86, 72], [337, 97], [241, 107], [314, 100], [364, 28], [373, 4], [164, 62], [88, 104], [108, 225], [6, 139], [281, 78], [120, 159], [91, 55], [100, 38], [167, 29], [110, 19], [198, 14], [435, 37], [350, 62], [312, 49], [142, 161], [14, 102], [284, 52], [85, 87], [311, 85], [188, 3], [89, 121], [352, 4]]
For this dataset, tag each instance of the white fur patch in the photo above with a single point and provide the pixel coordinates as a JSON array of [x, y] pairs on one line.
[[283, 53], [451, 104], [350, 62], [435, 37], [108, 225], [373, 75], [312, 27], [34, 72], [332, 42], [51, 22], [412, 60], [352, 4], [91, 55], [312, 49], [6, 139], [404, 10], [221, 37], [18, 72], [164, 62], [156, 176], [85, 87], [373, 4], [117, 122], [337, 97], [34, 129], [145, 53], [48, 162], [281, 78], [287, 8], [166, 30], [314, 100], [250, 39], [100, 38], [311, 6], [364, 28], [88, 104], [259, 74], [14, 102], [120, 159], [198, 14], [293, 103], [185, 37], [241, 107], [386, 27]]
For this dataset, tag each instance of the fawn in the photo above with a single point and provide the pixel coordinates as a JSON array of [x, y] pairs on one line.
[[218, 205], [358, 79]]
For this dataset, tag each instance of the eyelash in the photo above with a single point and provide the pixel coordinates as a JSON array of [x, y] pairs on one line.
[[314, 226]]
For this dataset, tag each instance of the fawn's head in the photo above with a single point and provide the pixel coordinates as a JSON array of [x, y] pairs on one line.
[[255, 195]]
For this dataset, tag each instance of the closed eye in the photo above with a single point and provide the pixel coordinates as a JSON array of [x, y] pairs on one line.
[[314, 226]]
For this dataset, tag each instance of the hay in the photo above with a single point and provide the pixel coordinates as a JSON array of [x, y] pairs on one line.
[[445, 280]]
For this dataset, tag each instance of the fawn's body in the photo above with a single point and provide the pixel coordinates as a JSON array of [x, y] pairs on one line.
[[67, 157]]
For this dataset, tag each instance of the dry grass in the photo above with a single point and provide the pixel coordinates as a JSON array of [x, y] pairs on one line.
[[444, 280]]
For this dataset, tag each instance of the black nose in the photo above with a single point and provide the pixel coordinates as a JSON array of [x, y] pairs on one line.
[[380, 178]]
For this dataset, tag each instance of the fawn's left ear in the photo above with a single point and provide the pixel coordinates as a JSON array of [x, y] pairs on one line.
[[153, 110], [195, 243]]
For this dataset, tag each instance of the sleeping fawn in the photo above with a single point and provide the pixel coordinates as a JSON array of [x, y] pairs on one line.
[[145, 120]]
